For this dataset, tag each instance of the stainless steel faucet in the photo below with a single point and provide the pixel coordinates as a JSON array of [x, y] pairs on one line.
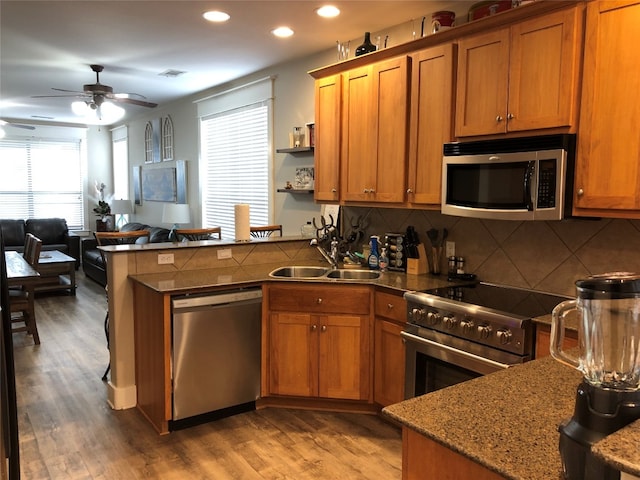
[[332, 256]]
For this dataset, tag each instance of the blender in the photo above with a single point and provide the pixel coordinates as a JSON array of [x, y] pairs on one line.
[[607, 309]]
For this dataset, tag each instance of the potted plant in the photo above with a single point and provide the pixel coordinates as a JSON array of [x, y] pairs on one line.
[[102, 209]]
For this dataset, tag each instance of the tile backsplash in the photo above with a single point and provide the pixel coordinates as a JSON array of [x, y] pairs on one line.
[[546, 256]]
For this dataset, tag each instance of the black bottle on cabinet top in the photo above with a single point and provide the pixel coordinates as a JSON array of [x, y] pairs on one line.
[[367, 46]]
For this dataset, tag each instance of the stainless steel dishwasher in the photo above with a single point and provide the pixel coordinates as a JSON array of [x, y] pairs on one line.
[[216, 351]]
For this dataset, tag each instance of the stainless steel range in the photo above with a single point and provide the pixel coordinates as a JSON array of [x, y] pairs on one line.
[[458, 333]]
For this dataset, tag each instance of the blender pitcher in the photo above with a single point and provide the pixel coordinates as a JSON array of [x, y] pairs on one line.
[[608, 314]]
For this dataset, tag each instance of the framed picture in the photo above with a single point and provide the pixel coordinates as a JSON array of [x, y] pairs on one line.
[[159, 184], [304, 178]]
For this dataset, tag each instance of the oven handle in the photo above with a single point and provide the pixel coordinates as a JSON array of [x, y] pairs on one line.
[[476, 358]]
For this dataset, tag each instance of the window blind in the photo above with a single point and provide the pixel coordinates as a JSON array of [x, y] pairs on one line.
[[235, 166], [42, 179]]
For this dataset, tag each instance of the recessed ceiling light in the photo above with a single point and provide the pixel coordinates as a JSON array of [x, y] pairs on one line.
[[282, 32], [216, 16], [328, 11]]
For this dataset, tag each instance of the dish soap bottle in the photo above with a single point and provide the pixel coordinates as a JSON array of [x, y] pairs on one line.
[[373, 256], [307, 230], [383, 260]]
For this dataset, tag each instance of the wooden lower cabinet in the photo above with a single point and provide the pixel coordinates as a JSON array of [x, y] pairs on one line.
[[543, 340], [425, 459], [389, 350], [319, 342]]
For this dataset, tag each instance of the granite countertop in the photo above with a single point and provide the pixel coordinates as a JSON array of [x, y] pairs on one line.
[[508, 421], [183, 281]]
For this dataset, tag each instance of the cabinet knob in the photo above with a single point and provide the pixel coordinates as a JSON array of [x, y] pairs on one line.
[[580, 192], [323, 328], [389, 306], [314, 328], [333, 190], [499, 118], [318, 301], [510, 116], [409, 190], [365, 190]]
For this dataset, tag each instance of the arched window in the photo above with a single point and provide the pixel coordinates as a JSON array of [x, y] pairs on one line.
[[167, 138], [148, 143]]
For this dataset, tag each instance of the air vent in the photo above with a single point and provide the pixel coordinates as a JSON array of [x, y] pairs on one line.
[[172, 73], [42, 117]]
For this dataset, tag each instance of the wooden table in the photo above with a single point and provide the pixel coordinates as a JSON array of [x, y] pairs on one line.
[[57, 272], [19, 272]]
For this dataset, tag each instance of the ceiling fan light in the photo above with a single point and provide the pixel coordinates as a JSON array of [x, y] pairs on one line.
[[110, 112], [79, 108]]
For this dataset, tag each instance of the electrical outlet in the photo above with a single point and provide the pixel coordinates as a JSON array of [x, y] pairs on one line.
[[224, 253], [450, 249], [165, 258]]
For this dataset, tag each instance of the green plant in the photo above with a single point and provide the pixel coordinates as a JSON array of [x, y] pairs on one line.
[[102, 209]]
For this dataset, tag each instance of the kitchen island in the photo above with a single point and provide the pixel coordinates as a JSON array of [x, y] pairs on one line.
[[504, 423]]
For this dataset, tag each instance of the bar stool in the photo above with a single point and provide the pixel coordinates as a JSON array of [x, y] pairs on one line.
[[116, 238], [21, 300], [265, 231], [198, 233]]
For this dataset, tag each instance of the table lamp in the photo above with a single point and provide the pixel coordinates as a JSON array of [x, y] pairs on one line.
[[175, 213], [122, 208]]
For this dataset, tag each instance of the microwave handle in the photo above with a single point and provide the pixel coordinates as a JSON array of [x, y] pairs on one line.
[[528, 180]]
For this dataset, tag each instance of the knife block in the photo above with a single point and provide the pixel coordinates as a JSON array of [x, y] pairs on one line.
[[418, 266]]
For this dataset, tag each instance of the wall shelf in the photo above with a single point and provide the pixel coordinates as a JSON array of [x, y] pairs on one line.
[[295, 191], [295, 150]]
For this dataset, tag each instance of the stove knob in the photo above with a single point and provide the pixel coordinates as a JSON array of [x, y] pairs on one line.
[[484, 331], [417, 314], [504, 336], [450, 322], [467, 326], [433, 318]]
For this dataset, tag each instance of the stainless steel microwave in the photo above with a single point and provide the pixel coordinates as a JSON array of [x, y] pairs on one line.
[[509, 179]]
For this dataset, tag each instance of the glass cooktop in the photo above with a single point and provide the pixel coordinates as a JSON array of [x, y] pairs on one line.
[[518, 301]]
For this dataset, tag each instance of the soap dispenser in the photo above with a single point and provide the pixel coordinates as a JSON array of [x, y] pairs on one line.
[[373, 256]]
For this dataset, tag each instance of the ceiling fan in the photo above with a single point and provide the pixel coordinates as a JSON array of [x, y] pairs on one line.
[[95, 94]]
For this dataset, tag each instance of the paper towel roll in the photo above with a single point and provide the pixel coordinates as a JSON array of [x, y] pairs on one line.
[[242, 222]]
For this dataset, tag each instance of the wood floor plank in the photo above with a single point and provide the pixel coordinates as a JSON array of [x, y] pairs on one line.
[[67, 431]]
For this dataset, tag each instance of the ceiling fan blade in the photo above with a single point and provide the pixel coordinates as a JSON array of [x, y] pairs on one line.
[[133, 101], [4, 123], [76, 95], [65, 90]]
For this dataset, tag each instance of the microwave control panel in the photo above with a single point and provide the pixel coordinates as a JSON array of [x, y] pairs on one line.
[[546, 183]]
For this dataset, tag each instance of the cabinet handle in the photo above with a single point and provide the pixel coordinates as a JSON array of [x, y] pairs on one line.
[[580, 192], [510, 116], [323, 328], [389, 306], [333, 190], [409, 190], [318, 301], [365, 191], [314, 328], [499, 118], [372, 190]]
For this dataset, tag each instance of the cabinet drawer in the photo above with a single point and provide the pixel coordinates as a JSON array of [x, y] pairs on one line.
[[391, 306], [320, 298]]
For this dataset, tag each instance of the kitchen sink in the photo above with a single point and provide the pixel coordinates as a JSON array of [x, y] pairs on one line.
[[347, 274], [322, 272], [299, 272]]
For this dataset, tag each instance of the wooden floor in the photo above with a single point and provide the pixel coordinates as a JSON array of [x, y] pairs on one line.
[[67, 430]]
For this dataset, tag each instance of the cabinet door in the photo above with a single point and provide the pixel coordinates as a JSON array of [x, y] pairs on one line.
[[358, 136], [344, 357], [328, 95], [544, 59], [390, 109], [431, 122], [608, 157], [293, 354], [482, 84], [389, 360]]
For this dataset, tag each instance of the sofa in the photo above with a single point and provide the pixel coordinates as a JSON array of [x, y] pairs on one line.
[[53, 232], [92, 262]]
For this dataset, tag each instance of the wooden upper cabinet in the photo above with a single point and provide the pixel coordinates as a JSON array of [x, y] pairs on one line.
[[520, 78], [328, 98], [374, 132], [431, 123], [608, 154]]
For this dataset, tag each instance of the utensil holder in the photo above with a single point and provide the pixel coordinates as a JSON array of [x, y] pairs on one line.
[[435, 260], [418, 266]]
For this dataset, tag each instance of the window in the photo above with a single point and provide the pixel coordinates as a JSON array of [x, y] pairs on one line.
[[148, 143], [119, 143], [235, 158], [42, 178], [167, 139]]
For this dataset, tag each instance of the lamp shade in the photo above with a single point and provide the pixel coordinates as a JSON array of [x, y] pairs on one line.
[[176, 213], [122, 207]]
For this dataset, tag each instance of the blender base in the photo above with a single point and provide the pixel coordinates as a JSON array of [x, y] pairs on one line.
[[598, 413]]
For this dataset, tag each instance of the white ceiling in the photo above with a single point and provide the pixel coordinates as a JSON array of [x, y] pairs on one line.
[[46, 44]]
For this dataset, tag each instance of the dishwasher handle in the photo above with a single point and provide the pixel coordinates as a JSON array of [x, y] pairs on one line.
[[215, 299]]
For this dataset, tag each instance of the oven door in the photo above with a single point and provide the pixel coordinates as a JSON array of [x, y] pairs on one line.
[[435, 360]]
